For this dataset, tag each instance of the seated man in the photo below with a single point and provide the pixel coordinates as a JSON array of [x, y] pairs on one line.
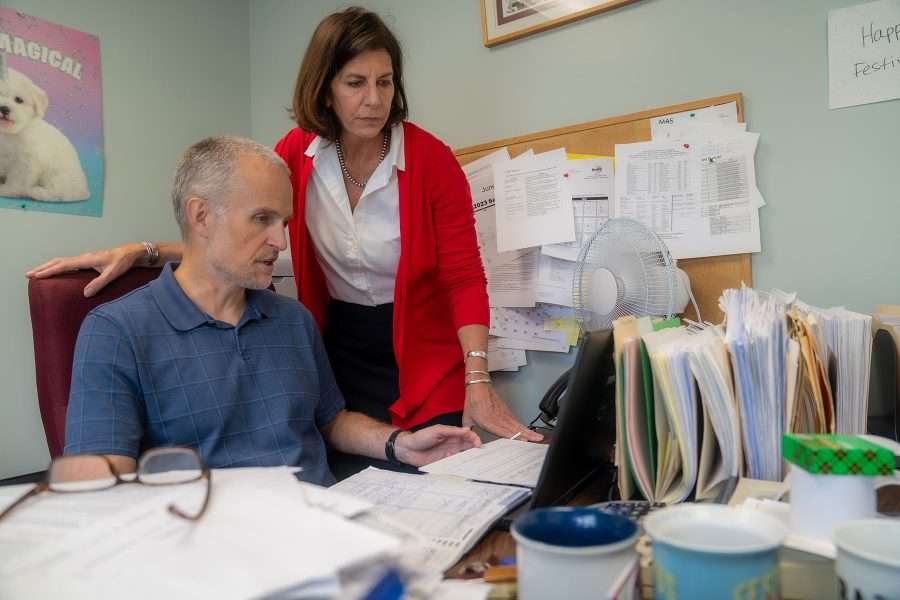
[[205, 356]]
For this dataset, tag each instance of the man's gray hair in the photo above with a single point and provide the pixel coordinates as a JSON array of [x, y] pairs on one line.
[[208, 169]]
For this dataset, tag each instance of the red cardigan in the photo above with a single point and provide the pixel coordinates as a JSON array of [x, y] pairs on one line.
[[440, 283]]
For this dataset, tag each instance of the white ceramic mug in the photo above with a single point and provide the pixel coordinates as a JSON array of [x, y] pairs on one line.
[[848, 497], [868, 559], [567, 553]]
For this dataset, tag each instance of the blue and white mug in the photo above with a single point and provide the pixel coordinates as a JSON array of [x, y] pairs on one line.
[[713, 551], [565, 553]]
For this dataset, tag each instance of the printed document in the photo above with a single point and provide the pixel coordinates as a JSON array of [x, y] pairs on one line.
[[502, 461], [555, 281], [667, 126], [697, 199], [123, 542], [504, 359], [511, 276], [451, 514], [534, 205], [522, 324], [535, 344], [514, 284], [591, 186]]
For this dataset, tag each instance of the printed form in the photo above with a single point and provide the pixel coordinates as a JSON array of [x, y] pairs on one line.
[[505, 461], [697, 198], [452, 514], [534, 205], [511, 276]]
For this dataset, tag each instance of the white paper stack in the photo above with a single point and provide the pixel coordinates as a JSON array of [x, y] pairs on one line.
[[756, 336], [847, 340], [260, 536], [451, 514], [720, 455], [678, 450], [533, 215]]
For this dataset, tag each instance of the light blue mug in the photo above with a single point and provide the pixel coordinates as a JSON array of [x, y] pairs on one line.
[[714, 551]]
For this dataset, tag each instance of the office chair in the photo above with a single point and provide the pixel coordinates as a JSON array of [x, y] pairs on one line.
[[58, 307]]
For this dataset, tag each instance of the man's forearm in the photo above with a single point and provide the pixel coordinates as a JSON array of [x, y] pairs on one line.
[[356, 433]]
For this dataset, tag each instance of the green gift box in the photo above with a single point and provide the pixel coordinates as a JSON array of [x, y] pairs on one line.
[[822, 454]]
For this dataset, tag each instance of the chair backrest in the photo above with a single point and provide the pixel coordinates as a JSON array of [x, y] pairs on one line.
[[58, 307]]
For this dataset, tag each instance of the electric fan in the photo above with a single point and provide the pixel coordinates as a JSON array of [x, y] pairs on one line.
[[626, 269]]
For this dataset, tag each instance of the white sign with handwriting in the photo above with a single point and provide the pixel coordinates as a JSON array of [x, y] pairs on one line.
[[864, 53]]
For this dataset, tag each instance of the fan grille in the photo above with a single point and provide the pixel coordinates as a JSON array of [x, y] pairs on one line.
[[642, 268]]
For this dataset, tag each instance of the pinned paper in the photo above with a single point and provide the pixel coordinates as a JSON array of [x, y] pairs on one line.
[[569, 327]]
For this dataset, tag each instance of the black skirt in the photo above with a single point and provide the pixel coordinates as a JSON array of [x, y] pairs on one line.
[[359, 341]]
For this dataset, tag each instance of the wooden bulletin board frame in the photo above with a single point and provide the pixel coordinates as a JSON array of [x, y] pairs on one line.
[[709, 276]]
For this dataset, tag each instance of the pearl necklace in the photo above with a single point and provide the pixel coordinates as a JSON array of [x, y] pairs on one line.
[[340, 152]]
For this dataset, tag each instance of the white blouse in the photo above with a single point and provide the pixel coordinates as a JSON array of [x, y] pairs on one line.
[[358, 250]]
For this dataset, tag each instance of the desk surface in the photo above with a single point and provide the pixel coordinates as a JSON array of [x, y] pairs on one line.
[[500, 544]]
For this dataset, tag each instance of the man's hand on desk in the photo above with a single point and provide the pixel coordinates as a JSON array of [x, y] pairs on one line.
[[434, 443]]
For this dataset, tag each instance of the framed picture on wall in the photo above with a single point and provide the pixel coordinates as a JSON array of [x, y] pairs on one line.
[[505, 20]]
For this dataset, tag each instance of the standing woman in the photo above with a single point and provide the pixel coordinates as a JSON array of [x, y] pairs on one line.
[[383, 241]]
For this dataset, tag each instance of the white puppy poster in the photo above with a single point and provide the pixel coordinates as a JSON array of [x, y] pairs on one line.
[[51, 117]]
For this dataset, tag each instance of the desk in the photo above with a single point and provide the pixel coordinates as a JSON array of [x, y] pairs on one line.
[[501, 544]]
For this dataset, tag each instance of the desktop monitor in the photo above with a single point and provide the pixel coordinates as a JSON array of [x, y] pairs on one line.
[[582, 444], [583, 441]]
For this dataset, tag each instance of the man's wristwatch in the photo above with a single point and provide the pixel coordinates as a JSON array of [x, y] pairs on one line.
[[389, 449], [152, 253]]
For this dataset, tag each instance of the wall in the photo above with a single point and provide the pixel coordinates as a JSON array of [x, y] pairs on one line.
[[829, 177], [173, 72]]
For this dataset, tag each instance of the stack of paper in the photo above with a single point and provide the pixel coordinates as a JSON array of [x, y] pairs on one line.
[[533, 215], [677, 456], [721, 456], [810, 404], [259, 537], [511, 275], [846, 338], [677, 422], [451, 514], [756, 335]]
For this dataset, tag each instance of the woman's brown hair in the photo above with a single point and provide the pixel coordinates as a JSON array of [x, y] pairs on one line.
[[338, 39]]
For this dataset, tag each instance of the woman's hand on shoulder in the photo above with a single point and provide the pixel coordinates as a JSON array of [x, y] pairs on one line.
[[485, 408], [110, 264]]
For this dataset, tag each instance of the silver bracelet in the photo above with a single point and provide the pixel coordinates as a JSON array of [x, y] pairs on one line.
[[474, 381], [152, 253], [476, 354]]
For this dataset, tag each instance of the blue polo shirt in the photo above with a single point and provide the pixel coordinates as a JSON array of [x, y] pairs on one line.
[[151, 369]]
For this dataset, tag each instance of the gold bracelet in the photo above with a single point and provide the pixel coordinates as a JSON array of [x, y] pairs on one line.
[[474, 381], [476, 354], [478, 373]]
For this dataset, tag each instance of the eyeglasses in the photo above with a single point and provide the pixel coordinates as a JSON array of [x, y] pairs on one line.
[[95, 472]]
